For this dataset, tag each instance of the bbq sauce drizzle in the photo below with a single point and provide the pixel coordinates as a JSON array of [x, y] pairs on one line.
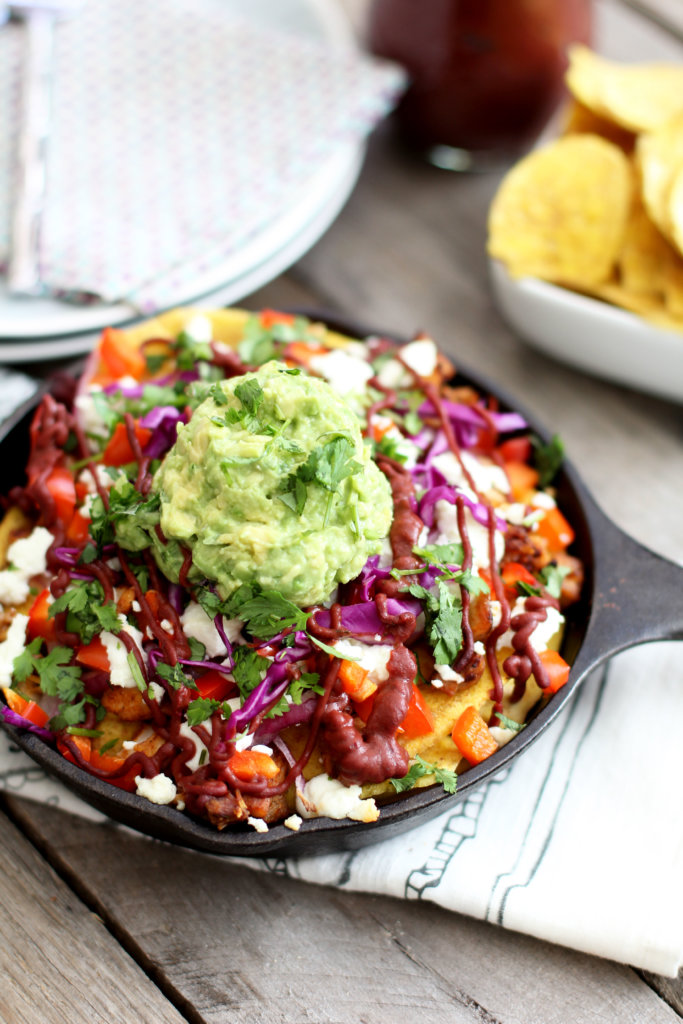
[[353, 756]]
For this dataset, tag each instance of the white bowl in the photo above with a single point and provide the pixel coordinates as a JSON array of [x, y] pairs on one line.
[[589, 334]]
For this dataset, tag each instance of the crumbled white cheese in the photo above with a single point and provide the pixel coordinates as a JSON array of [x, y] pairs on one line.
[[515, 512], [199, 328], [294, 822], [479, 647], [11, 647], [104, 478], [420, 356], [344, 372], [500, 735], [261, 748], [543, 632], [157, 692], [244, 742], [485, 473], [187, 732], [159, 790], [26, 557], [117, 653], [449, 674], [323, 797], [234, 703], [88, 416], [543, 500], [447, 524], [258, 824], [198, 625], [166, 626], [374, 658]]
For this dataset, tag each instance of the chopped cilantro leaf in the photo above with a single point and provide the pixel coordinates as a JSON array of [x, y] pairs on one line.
[[200, 709], [332, 651], [327, 465], [250, 394], [174, 676], [418, 769], [552, 577], [547, 458], [390, 447], [87, 612], [248, 669], [526, 589], [265, 612], [197, 649], [508, 723], [441, 554]]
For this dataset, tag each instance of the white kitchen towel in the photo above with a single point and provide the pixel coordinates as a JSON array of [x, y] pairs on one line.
[[579, 841], [180, 131]]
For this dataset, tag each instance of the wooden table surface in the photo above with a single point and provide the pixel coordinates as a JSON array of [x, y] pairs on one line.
[[99, 925]]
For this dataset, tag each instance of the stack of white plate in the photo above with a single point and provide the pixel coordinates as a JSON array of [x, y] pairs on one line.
[[40, 329]]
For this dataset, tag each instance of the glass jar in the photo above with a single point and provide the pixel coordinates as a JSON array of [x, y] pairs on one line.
[[486, 75]]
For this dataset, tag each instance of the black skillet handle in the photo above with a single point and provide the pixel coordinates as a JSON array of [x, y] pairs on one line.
[[637, 594]]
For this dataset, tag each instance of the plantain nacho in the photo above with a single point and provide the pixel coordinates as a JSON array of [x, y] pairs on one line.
[[260, 572]]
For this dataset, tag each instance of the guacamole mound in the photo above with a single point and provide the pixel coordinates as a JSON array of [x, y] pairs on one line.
[[271, 483]]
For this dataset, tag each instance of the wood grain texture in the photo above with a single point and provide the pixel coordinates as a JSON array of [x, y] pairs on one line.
[[57, 961], [240, 945]]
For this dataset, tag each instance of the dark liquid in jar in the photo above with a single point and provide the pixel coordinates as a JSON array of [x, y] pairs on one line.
[[485, 74]]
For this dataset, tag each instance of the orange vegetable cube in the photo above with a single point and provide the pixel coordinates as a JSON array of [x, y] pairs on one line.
[[556, 669], [356, 681], [472, 736], [252, 764], [523, 479], [419, 720], [555, 529]]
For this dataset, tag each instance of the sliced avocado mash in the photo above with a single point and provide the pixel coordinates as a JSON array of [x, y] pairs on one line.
[[271, 483]]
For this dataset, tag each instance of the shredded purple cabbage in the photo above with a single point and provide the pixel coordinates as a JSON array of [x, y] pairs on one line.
[[163, 421], [363, 620], [23, 723], [449, 494]]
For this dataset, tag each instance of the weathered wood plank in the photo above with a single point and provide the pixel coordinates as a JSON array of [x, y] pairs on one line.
[[240, 945], [57, 960]]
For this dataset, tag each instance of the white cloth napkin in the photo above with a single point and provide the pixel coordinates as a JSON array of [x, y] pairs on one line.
[[579, 842], [180, 130]]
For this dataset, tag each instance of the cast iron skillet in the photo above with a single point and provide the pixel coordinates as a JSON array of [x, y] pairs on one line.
[[629, 598]]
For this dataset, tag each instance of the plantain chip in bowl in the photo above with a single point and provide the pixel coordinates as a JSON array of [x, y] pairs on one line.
[[638, 97], [561, 212]]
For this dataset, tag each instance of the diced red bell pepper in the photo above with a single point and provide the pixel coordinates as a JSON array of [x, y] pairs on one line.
[[270, 317], [119, 451], [94, 655], [515, 449], [419, 720], [120, 358], [28, 709], [62, 489], [513, 573], [213, 685], [39, 622], [78, 529]]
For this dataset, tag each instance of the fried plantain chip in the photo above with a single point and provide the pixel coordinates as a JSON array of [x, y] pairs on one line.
[[639, 97], [644, 255], [560, 214], [580, 120], [659, 156]]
